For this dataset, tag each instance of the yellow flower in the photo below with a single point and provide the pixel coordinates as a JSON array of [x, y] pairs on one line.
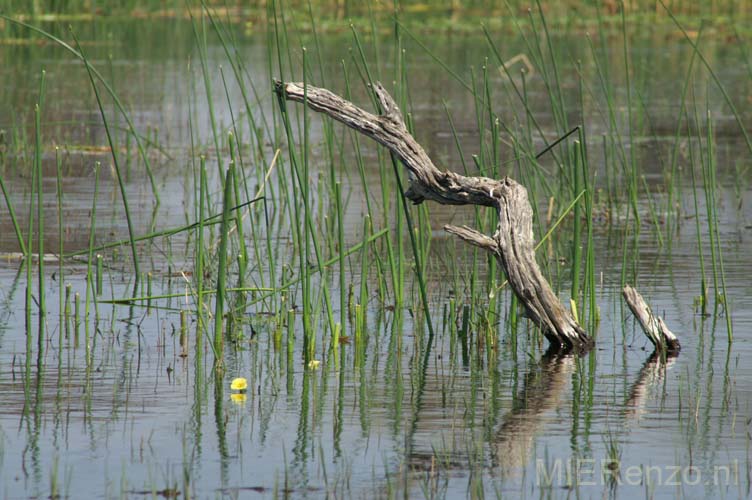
[[238, 397], [239, 384], [314, 364]]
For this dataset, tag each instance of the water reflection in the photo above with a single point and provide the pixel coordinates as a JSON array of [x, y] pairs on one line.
[[541, 392], [652, 375]]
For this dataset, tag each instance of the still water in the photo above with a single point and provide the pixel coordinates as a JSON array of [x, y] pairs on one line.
[[399, 412]]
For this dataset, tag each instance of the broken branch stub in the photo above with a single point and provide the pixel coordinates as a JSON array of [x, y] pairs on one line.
[[654, 327], [512, 243]]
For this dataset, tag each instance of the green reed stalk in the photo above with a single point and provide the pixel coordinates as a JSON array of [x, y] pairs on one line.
[[183, 333], [293, 205], [358, 150], [219, 301], [589, 279], [307, 232], [29, 290], [318, 268], [416, 252], [366, 190], [529, 115], [60, 236], [401, 261], [238, 68], [396, 262], [280, 43], [89, 277], [710, 198], [715, 239], [38, 152], [203, 59], [214, 219], [121, 183], [341, 251], [557, 97], [417, 247], [243, 254], [653, 213], [201, 255], [613, 126], [674, 184], [149, 298], [633, 178], [14, 220], [432, 55], [625, 249], [148, 287], [703, 284], [271, 255], [65, 312], [329, 136], [235, 140], [491, 215], [272, 53], [308, 226], [363, 59], [236, 148], [364, 268], [424, 236], [76, 319], [577, 224], [100, 274], [480, 163], [356, 140]]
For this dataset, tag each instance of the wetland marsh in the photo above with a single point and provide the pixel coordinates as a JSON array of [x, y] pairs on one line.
[[208, 235]]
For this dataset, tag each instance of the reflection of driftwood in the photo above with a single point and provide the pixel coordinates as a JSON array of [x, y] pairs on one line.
[[653, 326], [666, 349], [543, 387], [651, 374], [512, 243]]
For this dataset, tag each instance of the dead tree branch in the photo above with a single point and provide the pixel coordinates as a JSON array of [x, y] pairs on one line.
[[512, 243]]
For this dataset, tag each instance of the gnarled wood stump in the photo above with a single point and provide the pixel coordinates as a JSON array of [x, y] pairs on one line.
[[512, 243]]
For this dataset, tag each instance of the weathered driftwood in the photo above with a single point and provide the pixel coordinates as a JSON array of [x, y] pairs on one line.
[[512, 243], [653, 326]]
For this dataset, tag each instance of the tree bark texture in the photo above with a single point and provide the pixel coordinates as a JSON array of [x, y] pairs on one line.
[[512, 243]]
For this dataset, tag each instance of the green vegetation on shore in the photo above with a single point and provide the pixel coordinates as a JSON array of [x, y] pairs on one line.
[[332, 15]]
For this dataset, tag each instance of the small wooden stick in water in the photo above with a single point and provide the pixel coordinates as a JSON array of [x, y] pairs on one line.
[[653, 326]]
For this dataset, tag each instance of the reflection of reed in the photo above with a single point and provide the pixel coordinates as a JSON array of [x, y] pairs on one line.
[[651, 375], [541, 392]]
